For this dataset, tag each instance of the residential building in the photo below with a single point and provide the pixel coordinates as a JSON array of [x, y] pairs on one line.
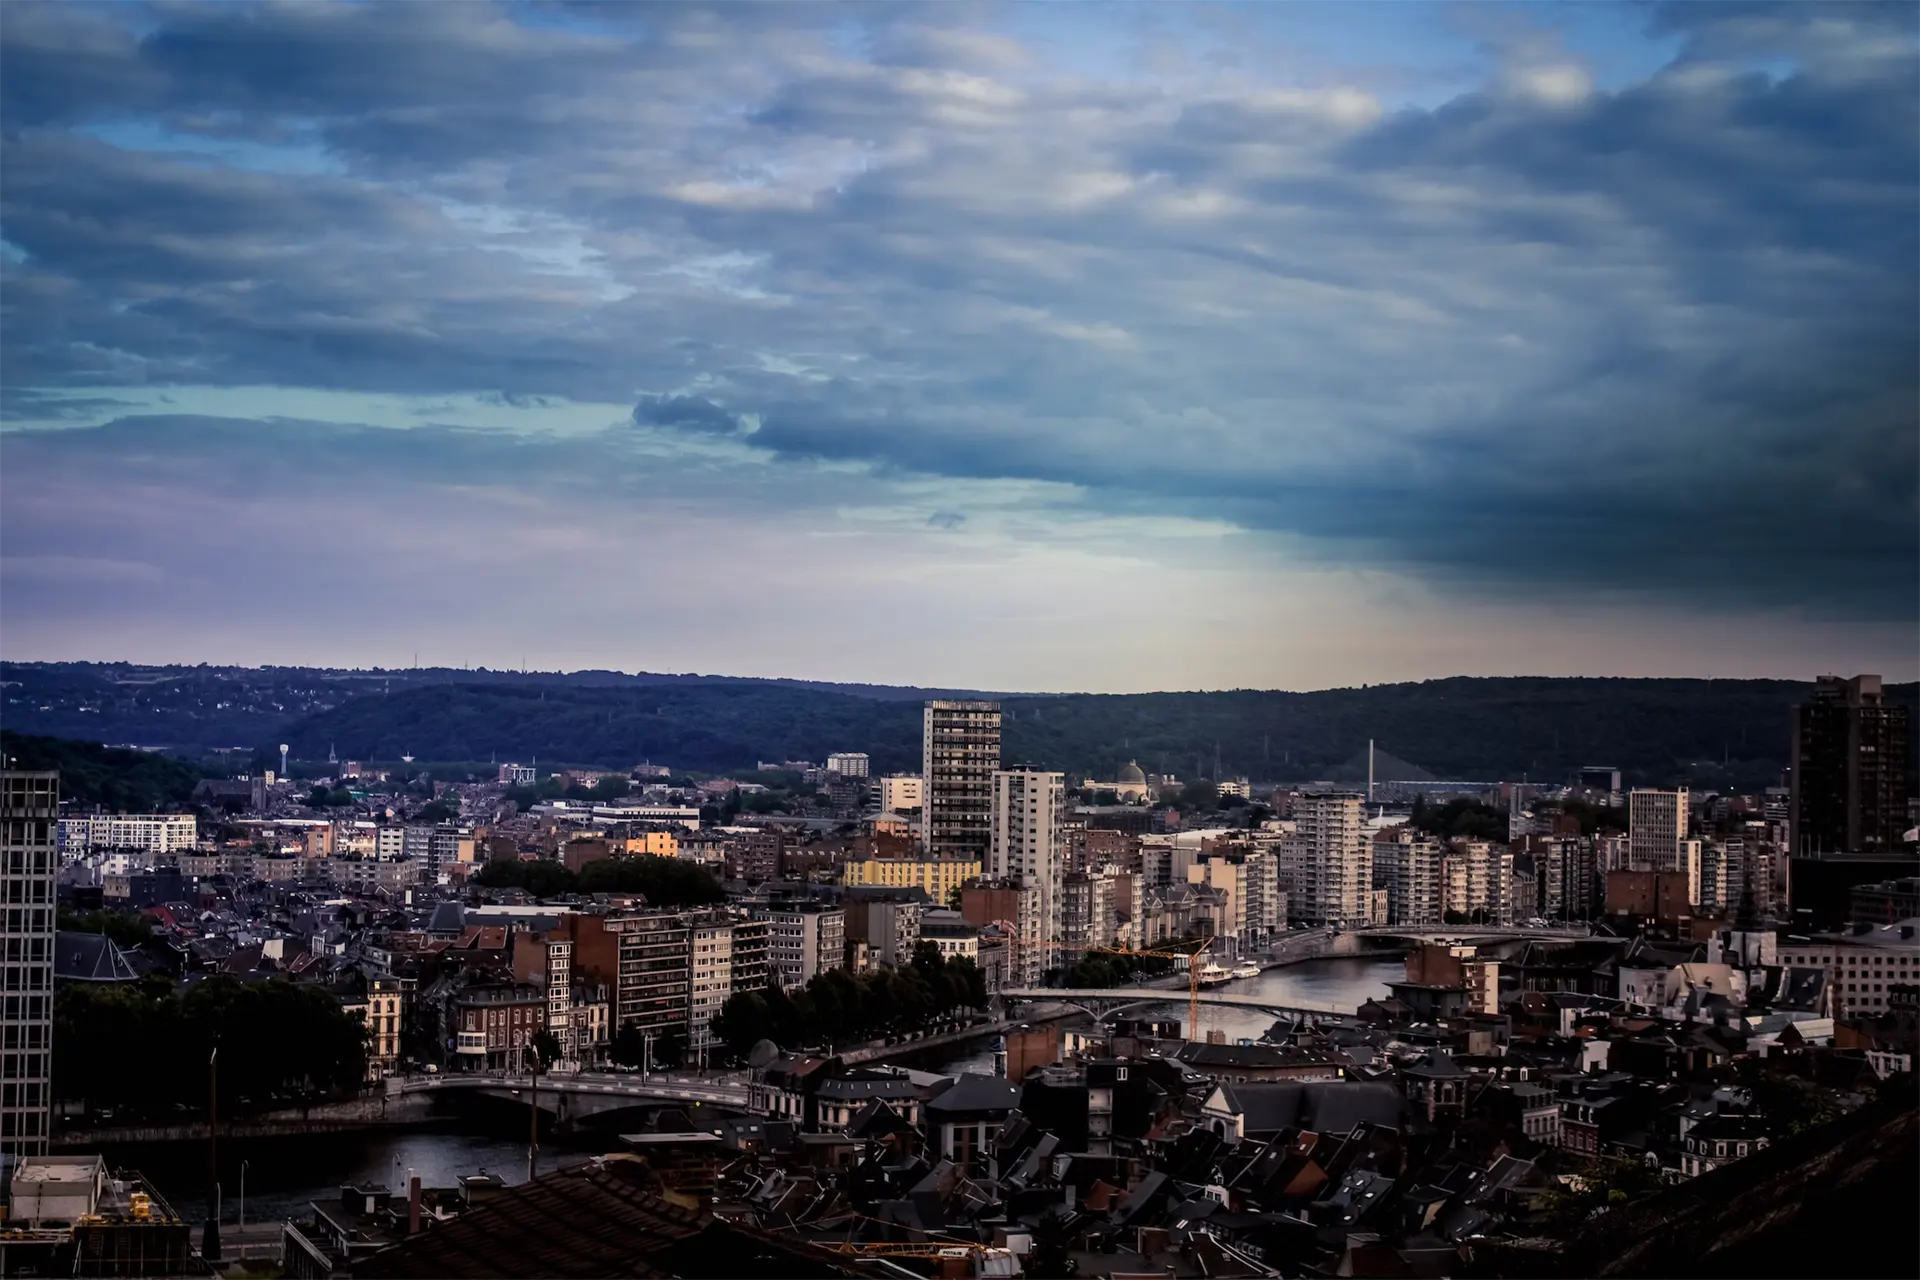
[[960, 754], [384, 1009], [1863, 966], [1406, 863], [951, 933], [1657, 835], [1027, 846], [900, 792], [494, 1024], [1885, 901], [807, 939], [29, 814], [711, 977], [1849, 776], [848, 764], [1330, 862], [151, 832], [1721, 1139], [938, 879]]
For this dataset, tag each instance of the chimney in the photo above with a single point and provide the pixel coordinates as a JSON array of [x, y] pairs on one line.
[[413, 1204]]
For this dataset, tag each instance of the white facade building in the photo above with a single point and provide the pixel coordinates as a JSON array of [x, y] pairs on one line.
[[1330, 861], [1027, 844], [152, 832], [848, 764], [1406, 863], [1657, 836], [900, 792]]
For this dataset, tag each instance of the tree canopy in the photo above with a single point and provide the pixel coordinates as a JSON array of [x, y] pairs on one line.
[[115, 778], [840, 1005], [145, 1047]]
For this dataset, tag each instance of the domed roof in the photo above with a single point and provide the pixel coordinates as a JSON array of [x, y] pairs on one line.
[[1132, 774]]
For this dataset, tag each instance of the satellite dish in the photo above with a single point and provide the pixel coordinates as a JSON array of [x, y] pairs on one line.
[[762, 1055]]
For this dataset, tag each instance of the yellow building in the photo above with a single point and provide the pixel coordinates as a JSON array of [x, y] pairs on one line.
[[661, 844], [937, 879]]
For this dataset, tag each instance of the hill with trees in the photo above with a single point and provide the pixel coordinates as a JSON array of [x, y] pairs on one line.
[[119, 779], [1705, 733]]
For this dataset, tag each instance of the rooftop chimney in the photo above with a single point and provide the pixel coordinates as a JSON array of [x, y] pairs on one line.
[[413, 1204]]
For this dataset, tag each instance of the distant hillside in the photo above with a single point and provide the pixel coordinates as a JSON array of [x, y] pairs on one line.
[[115, 779], [1704, 732], [1709, 733], [194, 710]]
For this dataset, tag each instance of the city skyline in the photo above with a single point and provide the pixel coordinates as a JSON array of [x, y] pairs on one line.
[[1294, 346]]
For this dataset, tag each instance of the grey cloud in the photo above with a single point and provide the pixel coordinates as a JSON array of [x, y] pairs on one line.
[[1658, 340], [946, 520], [688, 413]]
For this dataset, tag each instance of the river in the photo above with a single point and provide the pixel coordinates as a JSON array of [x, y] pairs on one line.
[[284, 1174]]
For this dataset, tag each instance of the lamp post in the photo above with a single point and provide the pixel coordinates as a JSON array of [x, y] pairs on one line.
[[243, 1195]]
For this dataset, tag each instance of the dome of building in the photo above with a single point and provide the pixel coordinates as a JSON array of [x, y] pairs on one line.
[[1133, 774]]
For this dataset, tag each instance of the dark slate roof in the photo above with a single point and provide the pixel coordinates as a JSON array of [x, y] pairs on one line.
[[1323, 1106], [971, 1093], [448, 917], [1205, 1057], [594, 1222], [89, 957], [845, 1089]]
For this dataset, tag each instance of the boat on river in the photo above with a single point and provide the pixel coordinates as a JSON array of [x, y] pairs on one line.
[[1246, 969], [1213, 975]]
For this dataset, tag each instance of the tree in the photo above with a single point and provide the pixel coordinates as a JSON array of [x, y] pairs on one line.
[[629, 1047], [612, 787], [122, 929], [437, 811], [1199, 795], [547, 1050]]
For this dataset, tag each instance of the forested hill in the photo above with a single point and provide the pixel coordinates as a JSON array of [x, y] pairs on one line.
[[1710, 732], [1705, 732]]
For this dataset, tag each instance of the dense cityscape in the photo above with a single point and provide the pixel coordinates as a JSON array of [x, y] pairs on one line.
[[733, 985], [732, 640]]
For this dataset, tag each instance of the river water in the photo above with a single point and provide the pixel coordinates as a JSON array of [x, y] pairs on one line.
[[284, 1174]]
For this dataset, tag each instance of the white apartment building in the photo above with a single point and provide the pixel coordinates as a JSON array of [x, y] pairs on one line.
[[1657, 836], [900, 792], [960, 752], [807, 940], [1862, 967], [712, 976], [848, 764], [1250, 885], [152, 832], [1330, 861], [1406, 863], [1477, 882], [1027, 844]]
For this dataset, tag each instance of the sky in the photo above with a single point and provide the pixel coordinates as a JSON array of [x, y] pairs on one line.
[[1024, 347]]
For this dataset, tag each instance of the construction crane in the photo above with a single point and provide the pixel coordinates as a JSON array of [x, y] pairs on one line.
[[1195, 958]]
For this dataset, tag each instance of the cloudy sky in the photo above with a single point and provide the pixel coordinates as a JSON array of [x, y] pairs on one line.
[[1021, 347]]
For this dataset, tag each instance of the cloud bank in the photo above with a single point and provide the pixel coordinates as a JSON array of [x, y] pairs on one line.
[[917, 283]]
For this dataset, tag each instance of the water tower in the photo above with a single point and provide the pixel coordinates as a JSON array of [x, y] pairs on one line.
[[283, 759]]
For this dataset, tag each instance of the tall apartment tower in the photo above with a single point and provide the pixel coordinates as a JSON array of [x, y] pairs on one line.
[[960, 752], [29, 819], [1335, 860], [1657, 836], [1849, 769], [1028, 843]]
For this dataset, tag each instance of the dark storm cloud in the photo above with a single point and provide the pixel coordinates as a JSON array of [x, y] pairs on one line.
[[1660, 339]]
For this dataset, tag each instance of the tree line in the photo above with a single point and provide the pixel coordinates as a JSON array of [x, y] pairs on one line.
[[145, 1047], [840, 1005]]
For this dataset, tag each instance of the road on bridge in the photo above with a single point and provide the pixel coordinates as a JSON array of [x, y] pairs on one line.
[[603, 1084]]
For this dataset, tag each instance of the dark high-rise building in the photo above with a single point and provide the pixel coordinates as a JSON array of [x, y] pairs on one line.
[[960, 754], [1849, 769], [29, 814]]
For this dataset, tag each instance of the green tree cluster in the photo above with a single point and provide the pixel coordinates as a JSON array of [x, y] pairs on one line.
[[1099, 969], [1459, 818], [839, 1005], [1593, 818], [665, 882], [145, 1048], [322, 798], [123, 929], [115, 778]]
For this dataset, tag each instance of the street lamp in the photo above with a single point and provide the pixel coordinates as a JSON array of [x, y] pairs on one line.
[[243, 1195]]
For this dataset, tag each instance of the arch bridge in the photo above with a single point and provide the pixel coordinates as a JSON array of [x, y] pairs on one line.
[[1107, 1003]]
